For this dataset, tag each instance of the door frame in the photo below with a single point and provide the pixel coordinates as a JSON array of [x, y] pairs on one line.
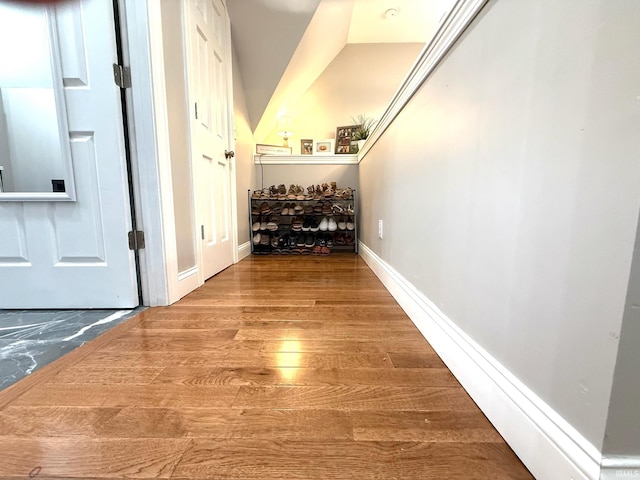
[[142, 40]]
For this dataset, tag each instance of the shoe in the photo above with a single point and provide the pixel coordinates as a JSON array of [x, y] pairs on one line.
[[277, 208], [342, 224], [309, 241], [321, 240], [313, 225], [306, 226], [297, 223], [350, 224], [263, 225], [301, 241], [350, 209], [332, 226], [308, 209], [329, 241], [256, 239], [338, 238], [272, 225], [265, 209], [265, 239], [285, 209], [255, 227], [324, 224]]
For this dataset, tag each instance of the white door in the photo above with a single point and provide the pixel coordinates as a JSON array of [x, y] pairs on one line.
[[74, 254], [210, 96]]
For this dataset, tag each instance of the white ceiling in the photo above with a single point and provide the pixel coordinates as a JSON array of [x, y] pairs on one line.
[[282, 46]]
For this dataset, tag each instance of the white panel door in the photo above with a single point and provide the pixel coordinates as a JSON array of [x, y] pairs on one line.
[[74, 254], [209, 65]]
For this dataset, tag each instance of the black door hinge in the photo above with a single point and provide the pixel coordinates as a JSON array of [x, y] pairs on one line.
[[136, 239], [122, 76]]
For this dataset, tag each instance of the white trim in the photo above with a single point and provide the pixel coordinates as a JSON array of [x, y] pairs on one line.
[[546, 443], [332, 159], [458, 19], [145, 168], [617, 468], [244, 250]]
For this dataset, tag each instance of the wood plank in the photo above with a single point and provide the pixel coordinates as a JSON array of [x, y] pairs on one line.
[[262, 459], [139, 395], [464, 426], [354, 398], [423, 359], [108, 375], [85, 457], [53, 421]]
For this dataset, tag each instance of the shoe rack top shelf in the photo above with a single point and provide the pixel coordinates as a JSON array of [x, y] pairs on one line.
[[306, 159]]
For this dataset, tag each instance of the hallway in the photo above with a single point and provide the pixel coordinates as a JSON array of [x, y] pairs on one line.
[[278, 367]]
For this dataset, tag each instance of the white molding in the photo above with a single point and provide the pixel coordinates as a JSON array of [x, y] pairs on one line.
[[244, 250], [146, 170], [616, 468], [458, 19], [546, 443], [305, 159]]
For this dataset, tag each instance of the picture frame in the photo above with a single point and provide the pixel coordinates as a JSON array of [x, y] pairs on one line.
[[323, 147], [262, 149], [344, 135], [306, 146]]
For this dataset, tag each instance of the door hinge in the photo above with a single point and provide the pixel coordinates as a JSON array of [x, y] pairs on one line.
[[202, 231], [122, 76], [136, 239], [196, 109]]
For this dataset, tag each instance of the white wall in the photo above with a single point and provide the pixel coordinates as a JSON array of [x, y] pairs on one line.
[[361, 79], [244, 149], [510, 191], [178, 120], [622, 437]]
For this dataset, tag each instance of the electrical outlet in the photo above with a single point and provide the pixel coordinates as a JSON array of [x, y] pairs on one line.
[[380, 229]]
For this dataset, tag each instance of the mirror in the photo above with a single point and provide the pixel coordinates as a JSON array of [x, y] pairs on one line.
[[35, 158]]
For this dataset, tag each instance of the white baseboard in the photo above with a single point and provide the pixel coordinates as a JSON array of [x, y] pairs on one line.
[[244, 250], [619, 468], [546, 443]]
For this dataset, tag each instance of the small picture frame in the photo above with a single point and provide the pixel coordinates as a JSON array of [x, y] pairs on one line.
[[306, 146], [323, 147], [262, 149], [344, 135]]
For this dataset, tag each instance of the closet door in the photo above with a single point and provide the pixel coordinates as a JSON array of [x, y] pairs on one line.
[[209, 42]]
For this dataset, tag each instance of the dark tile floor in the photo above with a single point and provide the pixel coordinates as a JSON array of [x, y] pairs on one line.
[[30, 339]]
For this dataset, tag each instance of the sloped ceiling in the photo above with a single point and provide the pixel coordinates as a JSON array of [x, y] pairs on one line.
[[265, 34], [283, 46]]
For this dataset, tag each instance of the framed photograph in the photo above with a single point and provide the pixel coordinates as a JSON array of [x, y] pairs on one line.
[[323, 147], [344, 135], [272, 150], [306, 147]]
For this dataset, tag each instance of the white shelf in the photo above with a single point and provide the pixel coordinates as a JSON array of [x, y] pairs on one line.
[[305, 159]]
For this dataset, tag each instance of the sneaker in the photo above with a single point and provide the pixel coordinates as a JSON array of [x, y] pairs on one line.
[[332, 226], [256, 239], [306, 225], [313, 225], [309, 241], [324, 224], [255, 227]]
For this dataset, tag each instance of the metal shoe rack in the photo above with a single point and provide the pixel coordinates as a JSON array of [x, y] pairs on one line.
[[317, 226]]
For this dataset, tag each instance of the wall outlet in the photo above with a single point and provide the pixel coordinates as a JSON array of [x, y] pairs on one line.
[[380, 229]]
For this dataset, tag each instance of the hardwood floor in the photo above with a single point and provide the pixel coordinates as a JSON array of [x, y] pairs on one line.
[[277, 368]]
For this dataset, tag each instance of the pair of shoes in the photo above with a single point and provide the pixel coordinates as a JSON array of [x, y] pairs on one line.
[[328, 224]]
